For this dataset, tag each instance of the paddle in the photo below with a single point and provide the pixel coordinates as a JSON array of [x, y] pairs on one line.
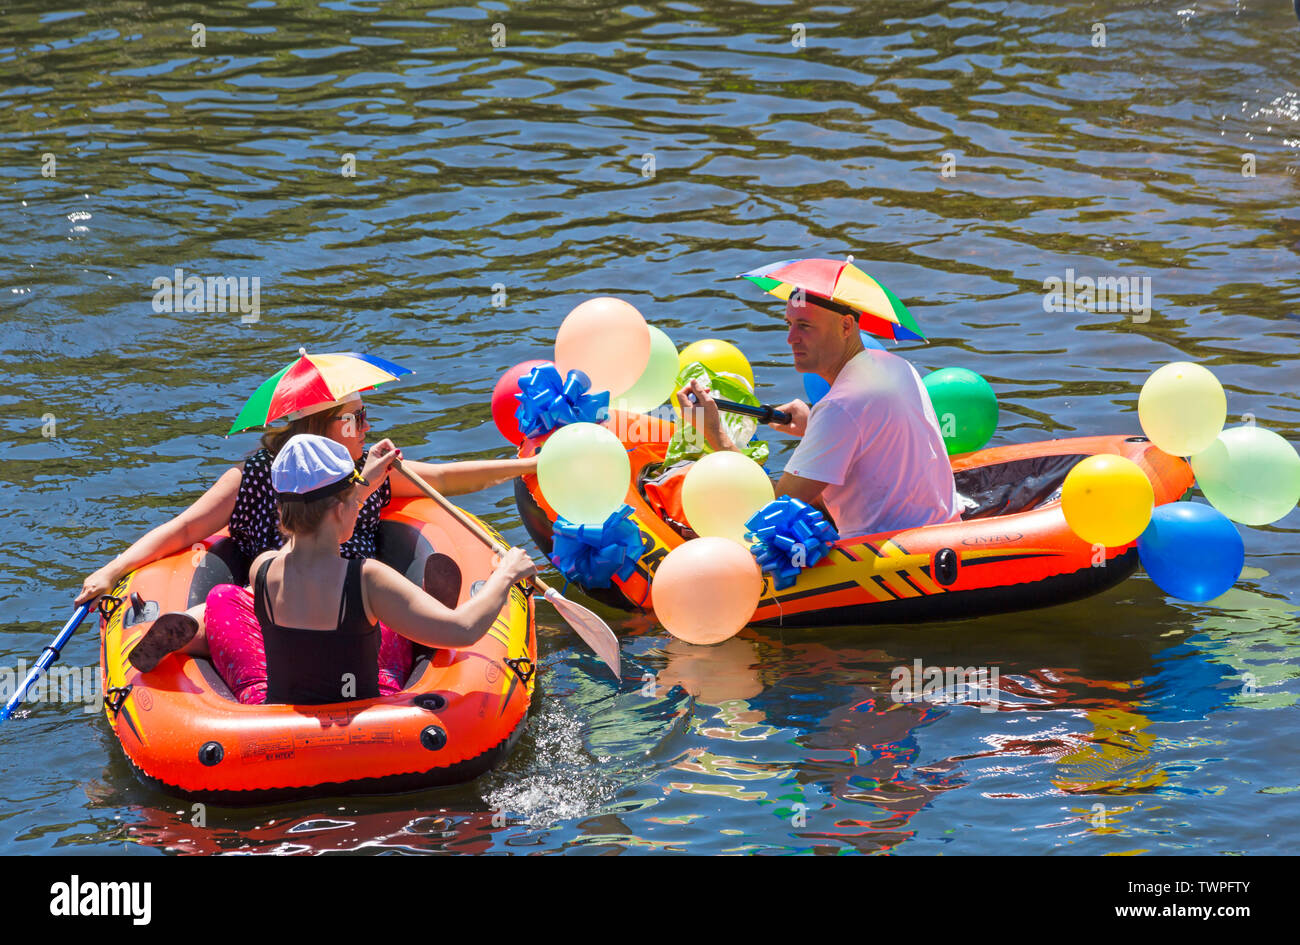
[[765, 412], [48, 656], [594, 631]]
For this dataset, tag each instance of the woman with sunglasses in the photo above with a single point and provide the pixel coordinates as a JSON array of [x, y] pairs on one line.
[[244, 500]]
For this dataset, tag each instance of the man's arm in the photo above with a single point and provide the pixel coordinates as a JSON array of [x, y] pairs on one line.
[[806, 490]]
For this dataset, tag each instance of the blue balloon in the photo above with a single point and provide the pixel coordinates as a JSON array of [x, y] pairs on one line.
[[1192, 551], [816, 388]]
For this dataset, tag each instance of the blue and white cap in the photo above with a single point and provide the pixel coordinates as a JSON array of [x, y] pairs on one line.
[[310, 467]]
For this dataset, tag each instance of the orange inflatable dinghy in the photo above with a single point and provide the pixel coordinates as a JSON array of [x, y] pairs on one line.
[[459, 714], [1012, 550]]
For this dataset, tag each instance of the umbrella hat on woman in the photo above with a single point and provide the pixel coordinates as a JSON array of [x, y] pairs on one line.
[[311, 382]]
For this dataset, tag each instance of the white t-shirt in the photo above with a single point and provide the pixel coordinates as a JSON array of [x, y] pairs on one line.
[[875, 441]]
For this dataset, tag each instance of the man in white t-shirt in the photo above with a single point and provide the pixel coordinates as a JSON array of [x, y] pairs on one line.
[[871, 452]]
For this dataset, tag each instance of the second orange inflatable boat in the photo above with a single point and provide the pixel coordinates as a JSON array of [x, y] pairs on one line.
[[1012, 550]]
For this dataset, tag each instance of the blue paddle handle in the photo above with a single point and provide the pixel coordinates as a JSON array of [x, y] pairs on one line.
[[48, 656]]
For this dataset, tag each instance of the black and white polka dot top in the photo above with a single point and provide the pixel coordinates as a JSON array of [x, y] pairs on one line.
[[254, 523]]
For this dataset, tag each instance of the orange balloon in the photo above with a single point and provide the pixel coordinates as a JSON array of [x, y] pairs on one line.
[[606, 339], [706, 590]]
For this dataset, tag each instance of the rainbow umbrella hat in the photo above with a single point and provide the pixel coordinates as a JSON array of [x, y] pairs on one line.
[[846, 287], [312, 380]]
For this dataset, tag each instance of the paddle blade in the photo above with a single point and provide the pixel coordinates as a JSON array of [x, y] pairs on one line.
[[594, 631]]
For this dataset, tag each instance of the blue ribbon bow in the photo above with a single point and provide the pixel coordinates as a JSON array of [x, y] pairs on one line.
[[592, 554], [787, 528], [546, 402]]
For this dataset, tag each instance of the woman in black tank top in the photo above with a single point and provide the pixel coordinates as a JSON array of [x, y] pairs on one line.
[[316, 650], [310, 667]]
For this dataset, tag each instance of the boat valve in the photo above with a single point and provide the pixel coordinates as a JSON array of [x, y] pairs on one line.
[[946, 566], [433, 738]]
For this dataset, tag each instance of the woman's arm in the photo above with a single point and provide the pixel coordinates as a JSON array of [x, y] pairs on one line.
[[461, 478], [209, 514], [408, 610]]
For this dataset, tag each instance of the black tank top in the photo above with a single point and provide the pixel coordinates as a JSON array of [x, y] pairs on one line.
[[308, 667]]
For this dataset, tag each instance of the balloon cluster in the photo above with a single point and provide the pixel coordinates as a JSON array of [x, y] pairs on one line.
[[716, 571], [706, 589], [604, 350], [607, 341], [1248, 474]]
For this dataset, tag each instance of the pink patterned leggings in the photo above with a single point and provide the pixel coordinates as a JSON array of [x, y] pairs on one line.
[[235, 641]]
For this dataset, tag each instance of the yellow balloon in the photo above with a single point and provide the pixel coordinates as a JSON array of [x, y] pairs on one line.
[[1182, 408], [722, 491], [1107, 500], [706, 590], [583, 472], [718, 356]]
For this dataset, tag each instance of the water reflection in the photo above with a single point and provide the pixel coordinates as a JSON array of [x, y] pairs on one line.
[[340, 828], [855, 765]]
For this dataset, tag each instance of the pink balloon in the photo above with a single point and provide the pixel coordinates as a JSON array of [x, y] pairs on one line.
[[706, 590], [606, 339]]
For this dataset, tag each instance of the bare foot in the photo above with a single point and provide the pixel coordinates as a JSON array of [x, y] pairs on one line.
[[442, 579], [169, 633]]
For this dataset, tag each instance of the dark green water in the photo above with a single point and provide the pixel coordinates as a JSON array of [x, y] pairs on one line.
[[1128, 723]]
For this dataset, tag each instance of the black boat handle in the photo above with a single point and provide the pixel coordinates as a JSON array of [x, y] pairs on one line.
[[765, 413]]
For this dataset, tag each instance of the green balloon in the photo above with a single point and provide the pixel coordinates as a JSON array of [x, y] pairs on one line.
[[656, 381], [966, 407], [583, 472], [1249, 474]]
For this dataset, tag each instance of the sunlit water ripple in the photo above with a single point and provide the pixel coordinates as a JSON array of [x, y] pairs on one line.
[[653, 151]]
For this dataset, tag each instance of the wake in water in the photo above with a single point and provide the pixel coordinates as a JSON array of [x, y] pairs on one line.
[[564, 779]]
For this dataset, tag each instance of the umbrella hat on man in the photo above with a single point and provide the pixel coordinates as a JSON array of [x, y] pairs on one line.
[[839, 285]]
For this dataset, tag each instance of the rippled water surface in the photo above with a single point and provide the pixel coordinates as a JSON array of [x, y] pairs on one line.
[[653, 151]]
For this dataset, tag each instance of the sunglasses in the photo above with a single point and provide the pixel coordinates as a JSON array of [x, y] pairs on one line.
[[357, 416]]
